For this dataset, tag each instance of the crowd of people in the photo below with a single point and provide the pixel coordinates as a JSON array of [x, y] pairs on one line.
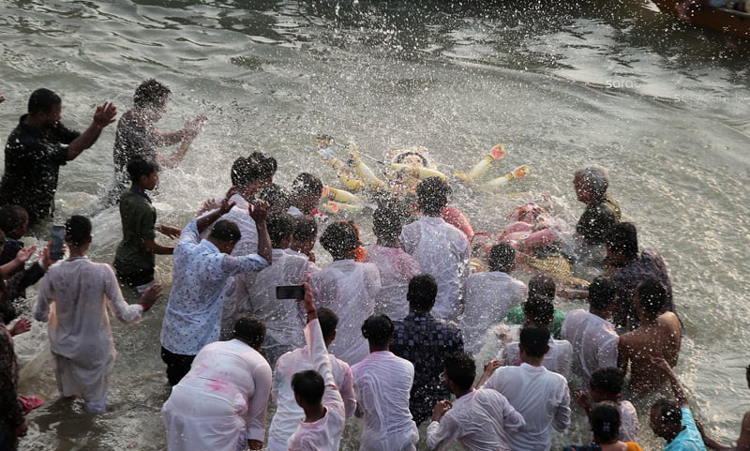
[[388, 332]]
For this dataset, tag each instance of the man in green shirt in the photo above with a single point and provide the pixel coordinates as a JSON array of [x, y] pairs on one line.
[[134, 260]]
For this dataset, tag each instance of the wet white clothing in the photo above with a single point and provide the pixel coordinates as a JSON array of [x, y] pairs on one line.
[[481, 420], [74, 297], [349, 289], [396, 270], [199, 278], [594, 342], [383, 383], [629, 424], [557, 359], [288, 413], [442, 251], [325, 433], [489, 296], [541, 396], [221, 403]]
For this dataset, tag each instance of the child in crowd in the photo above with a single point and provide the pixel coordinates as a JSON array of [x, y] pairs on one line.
[[605, 422], [606, 386]]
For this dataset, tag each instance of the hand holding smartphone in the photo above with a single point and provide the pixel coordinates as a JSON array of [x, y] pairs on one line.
[[58, 240]]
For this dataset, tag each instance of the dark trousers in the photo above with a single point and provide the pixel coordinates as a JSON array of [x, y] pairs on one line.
[[137, 278], [178, 365]]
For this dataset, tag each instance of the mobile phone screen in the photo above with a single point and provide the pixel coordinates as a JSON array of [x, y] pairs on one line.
[[58, 238], [290, 292]]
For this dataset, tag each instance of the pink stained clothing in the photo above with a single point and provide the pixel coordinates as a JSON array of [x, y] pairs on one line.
[[325, 433], [396, 270], [221, 403]]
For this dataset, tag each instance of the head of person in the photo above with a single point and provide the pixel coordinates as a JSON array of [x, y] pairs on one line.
[[534, 343], [45, 106], [143, 173], [432, 196], [280, 229], [591, 184], [650, 297], [151, 98], [250, 174], [665, 418], [329, 321], [225, 235], [502, 258], [605, 423], [276, 196], [378, 331], [305, 234], [78, 232], [306, 192], [595, 224], [14, 221], [541, 287], [341, 240], [606, 384], [602, 294], [386, 225], [422, 293], [460, 371], [308, 387], [622, 243], [250, 330], [538, 312], [747, 376]]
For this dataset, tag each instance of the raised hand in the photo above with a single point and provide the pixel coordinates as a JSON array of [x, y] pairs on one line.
[[151, 296], [105, 114], [226, 203], [259, 211], [440, 408], [25, 254], [22, 325]]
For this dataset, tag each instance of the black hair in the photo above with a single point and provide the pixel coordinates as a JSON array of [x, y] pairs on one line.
[[540, 312], [280, 227], [251, 330], [306, 184], [139, 167], [652, 295], [602, 293], [305, 229], [386, 223], [43, 100], [605, 422], [276, 196], [596, 223], [151, 93], [340, 239], [535, 341], [608, 380], [12, 217], [623, 239], [460, 369], [432, 195], [309, 387], [246, 170], [225, 231], [378, 330], [328, 322], [502, 257], [77, 230], [541, 287], [402, 157], [422, 293], [669, 410]]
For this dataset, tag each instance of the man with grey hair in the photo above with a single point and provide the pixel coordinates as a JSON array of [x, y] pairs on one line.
[[602, 211]]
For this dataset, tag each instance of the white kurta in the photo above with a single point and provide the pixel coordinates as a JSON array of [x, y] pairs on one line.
[[629, 424], [383, 383], [221, 403], [557, 358], [396, 270], [541, 396], [74, 296], [594, 342], [349, 289], [481, 420], [324, 434], [288, 413], [489, 296], [442, 251]]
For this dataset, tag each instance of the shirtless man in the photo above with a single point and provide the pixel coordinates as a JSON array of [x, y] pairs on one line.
[[659, 335], [743, 442]]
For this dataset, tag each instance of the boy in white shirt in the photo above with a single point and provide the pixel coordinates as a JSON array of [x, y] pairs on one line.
[[606, 386]]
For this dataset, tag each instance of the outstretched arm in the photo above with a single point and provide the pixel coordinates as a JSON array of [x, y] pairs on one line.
[[677, 389], [103, 116]]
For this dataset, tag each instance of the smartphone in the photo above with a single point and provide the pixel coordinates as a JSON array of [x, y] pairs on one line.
[[58, 238], [290, 292]]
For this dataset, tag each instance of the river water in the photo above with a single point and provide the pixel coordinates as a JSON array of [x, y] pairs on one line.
[[661, 104]]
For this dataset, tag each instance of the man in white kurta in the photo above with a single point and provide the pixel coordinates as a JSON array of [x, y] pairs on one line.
[[396, 270], [220, 405], [557, 359], [382, 383]]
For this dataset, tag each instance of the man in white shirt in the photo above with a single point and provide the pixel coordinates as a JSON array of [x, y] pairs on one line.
[[288, 413], [489, 296], [305, 195], [541, 396], [220, 405], [382, 383], [80, 335], [441, 249], [199, 278], [480, 419], [593, 337], [316, 393]]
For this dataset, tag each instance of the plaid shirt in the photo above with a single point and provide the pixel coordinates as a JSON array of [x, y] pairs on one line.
[[425, 342]]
